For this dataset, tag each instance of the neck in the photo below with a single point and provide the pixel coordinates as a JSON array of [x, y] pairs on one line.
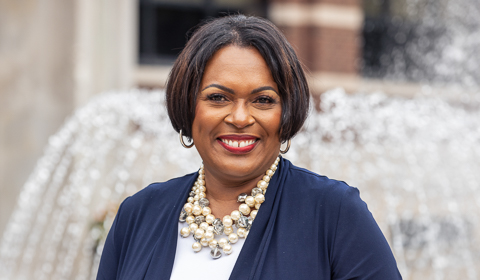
[[223, 194], [223, 190]]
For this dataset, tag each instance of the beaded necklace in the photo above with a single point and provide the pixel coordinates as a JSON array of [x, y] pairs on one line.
[[204, 225]]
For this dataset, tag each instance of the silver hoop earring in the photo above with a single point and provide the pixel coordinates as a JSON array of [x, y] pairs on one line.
[[183, 143], [289, 142]]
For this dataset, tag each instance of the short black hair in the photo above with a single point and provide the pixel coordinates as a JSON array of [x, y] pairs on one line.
[[183, 83]]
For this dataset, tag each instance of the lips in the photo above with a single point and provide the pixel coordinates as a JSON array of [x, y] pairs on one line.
[[238, 144]]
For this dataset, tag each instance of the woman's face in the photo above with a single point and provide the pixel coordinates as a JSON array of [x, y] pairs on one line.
[[237, 116]]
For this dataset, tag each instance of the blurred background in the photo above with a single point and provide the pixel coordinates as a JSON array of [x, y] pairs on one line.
[[56, 56]]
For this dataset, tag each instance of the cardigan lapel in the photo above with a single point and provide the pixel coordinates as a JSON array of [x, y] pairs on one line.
[[163, 257], [250, 261]]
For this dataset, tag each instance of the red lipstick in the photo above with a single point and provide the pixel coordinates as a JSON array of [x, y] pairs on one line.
[[238, 144]]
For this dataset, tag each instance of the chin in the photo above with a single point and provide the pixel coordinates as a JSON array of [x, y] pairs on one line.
[[247, 168]]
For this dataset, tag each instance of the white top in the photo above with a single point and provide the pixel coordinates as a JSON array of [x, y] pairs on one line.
[[199, 266]]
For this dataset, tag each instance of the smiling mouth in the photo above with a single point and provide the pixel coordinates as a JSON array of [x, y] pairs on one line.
[[238, 144]]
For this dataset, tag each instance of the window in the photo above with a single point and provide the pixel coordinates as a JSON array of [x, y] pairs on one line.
[[165, 24]]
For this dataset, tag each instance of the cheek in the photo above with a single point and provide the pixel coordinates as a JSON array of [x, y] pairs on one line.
[[205, 120], [271, 121]]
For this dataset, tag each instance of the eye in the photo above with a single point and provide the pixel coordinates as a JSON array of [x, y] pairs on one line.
[[264, 100], [216, 97]]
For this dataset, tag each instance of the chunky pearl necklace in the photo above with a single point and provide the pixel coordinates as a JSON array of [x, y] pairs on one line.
[[203, 224]]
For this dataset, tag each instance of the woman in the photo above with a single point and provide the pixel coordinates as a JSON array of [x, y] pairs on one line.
[[238, 91]]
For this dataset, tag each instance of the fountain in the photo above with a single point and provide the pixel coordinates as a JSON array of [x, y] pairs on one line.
[[433, 41], [106, 151], [415, 162]]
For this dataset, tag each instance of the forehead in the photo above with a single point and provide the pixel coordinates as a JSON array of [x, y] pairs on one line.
[[233, 64]]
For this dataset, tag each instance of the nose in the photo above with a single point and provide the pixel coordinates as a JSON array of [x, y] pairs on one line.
[[240, 116]]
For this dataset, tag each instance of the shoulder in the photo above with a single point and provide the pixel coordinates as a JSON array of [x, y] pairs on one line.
[[316, 186], [158, 194], [318, 195], [151, 206]]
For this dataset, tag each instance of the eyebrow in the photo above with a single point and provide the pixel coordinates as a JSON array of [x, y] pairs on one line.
[[229, 90]]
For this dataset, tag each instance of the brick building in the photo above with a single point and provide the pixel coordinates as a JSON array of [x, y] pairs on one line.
[[326, 35]]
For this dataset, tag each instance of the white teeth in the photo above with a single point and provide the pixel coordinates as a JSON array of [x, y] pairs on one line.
[[238, 144]]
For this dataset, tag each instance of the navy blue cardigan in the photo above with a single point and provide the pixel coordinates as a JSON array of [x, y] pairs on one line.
[[309, 227]]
